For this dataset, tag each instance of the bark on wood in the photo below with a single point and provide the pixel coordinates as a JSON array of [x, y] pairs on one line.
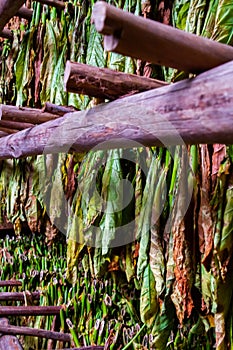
[[25, 115], [15, 125], [8, 342], [8, 9], [25, 13], [58, 110], [19, 296], [198, 110], [29, 310], [6, 34], [104, 83], [10, 283], [14, 330], [8, 130], [2, 134], [155, 42], [54, 3]]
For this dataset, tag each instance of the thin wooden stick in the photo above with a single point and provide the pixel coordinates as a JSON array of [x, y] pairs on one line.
[[8, 130], [10, 283], [25, 115], [104, 83], [15, 330], [152, 41], [19, 296], [57, 110], [15, 125], [29, 310]]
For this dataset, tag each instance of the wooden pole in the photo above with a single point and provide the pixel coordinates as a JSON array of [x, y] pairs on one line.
[[8, 9], [19, 296], [2, 134], [25, 13], [10, 283], [8, 342], [6, 34], [155, 42], [41, 333], [104, 83], [194, 111], [29, 310], [15, 125], [25, 115], [57, 110], [8, 130], [55, 3]]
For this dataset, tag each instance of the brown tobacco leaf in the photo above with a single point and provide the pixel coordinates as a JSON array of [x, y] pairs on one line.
[[38, 62], [219, 153], [71, 184], [205, 220], [182, 232]]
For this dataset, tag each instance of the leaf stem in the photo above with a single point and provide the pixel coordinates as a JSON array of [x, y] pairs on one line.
[[134, 338]]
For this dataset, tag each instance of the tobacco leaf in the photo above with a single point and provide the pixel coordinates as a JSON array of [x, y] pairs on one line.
[[148, 299], [182, 244], [156, 253], [144, 224], [205, 218], [112, 194], [223, 28]]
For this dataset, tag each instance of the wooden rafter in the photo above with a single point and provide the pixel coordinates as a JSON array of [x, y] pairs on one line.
[[155, 42], [29, 310], [15, 330], [104, 83], [198, 110], [8, 9]]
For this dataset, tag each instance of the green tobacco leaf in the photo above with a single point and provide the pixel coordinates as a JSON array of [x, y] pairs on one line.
[[95, 51], [223, 28], [157, 261], [112, 194], [22, 67], [144, 223], [57, 93], [210, 19], [148, 299], [180, 13], [49, 61], [196, 16]]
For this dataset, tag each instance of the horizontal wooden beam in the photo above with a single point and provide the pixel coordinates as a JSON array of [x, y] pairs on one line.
[[6, 34], [25, 114], [57, 110], [55, 3], [104, 83], [19, 296], [29, 310], [25, 13], [15, 125], [8, 9], [8, 130], [193, 111], [10, 283], [41, 333], [155, 42]]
